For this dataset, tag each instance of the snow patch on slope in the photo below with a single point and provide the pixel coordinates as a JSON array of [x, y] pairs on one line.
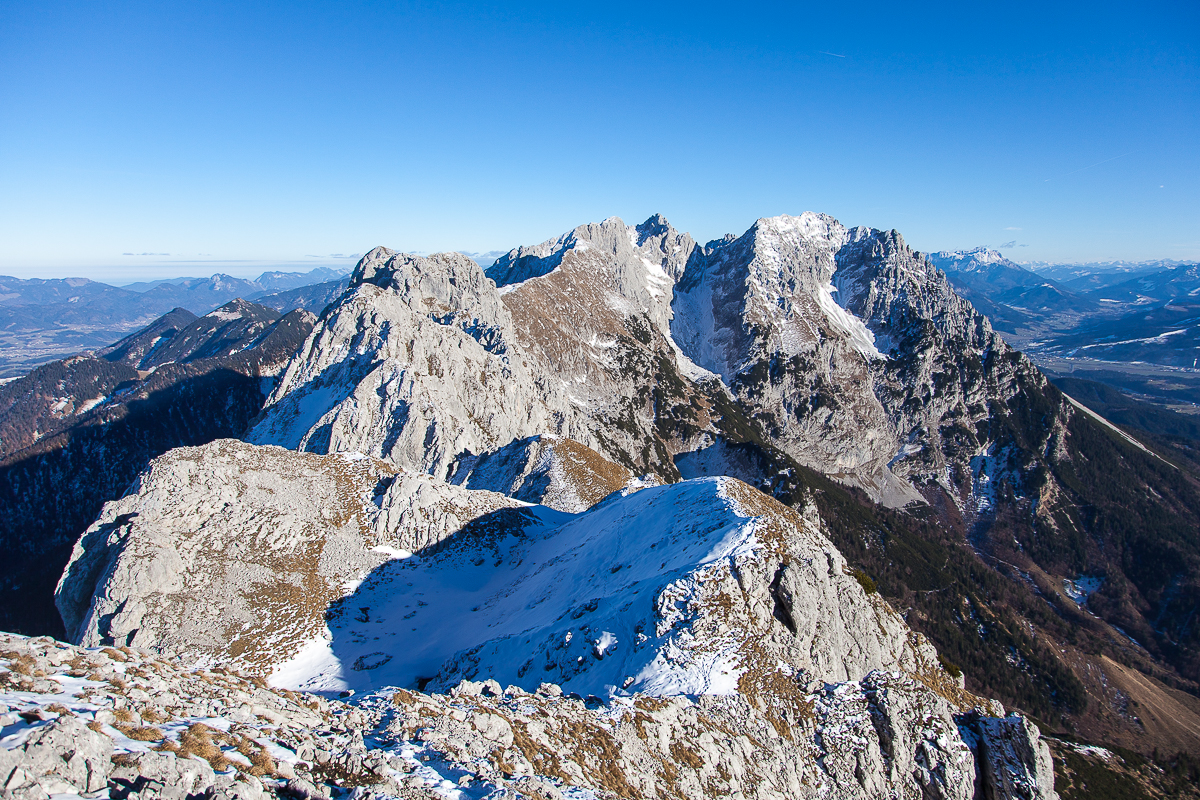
[[597, 602], [860, 336]]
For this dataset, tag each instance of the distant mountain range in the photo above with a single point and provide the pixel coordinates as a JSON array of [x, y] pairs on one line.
[[41, 320], [75, 432], [1013, 297], [1092, 275], [273, 281], [1117, 312]]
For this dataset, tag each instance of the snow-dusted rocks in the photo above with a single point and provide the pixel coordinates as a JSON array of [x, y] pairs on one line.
[[64, 757], [74, 721], [232, 552], [241, 553], [700, 587], [1010, 760], [760, 311]]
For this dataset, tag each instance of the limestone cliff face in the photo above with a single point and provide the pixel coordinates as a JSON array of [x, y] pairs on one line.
[[760, 311], [417, 364], [426, 363], [597, 323], [855, 355], [947, 371], [846, 350]]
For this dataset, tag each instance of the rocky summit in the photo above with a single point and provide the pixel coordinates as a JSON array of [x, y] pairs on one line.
[[621, 516]]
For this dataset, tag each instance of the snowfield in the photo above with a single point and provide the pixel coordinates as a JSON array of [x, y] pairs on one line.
[[569, 599]]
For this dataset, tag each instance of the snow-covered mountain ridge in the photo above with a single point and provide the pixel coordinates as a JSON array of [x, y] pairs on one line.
[[618, 598]]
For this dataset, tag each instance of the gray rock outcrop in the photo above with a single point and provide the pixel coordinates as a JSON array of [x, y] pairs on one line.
[[149, 725], [416, 364], [241, 554], [234, 552]]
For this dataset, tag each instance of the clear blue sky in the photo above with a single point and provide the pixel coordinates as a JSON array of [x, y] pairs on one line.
[[232, 135]]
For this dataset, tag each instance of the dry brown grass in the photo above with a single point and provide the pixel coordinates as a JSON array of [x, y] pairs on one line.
[[79, 666], [115, 655], [197, 740], [686, 756], [204, 742], [143, 733], [261, 762], [593, 475], [20, 663], [547, 763], [152, 715], [776, 695], [60, 709]]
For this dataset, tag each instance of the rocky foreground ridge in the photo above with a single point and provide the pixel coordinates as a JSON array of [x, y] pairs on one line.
[[80, 721]]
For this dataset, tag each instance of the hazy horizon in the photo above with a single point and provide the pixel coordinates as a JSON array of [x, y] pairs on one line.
[[249, 269]]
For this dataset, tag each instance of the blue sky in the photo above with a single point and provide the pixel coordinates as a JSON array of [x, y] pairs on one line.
[[237, 135]]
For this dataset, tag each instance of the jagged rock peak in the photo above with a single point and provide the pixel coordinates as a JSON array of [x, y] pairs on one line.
[[654, 243], [809, 226], [442, 282], [415, 363]]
